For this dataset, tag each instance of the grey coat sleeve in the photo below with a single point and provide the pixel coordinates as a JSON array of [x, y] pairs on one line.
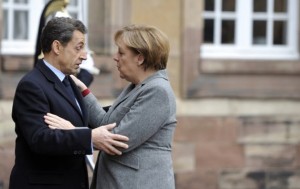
[[96, 112], [148, 114]]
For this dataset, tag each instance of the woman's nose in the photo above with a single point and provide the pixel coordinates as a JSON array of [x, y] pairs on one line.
[[115, 57]]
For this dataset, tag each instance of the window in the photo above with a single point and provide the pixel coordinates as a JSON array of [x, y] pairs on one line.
[[250, 29], [18, 33], [21, 20], [77, 9]]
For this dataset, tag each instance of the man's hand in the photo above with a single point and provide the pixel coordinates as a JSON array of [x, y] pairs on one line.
[[104, 140]]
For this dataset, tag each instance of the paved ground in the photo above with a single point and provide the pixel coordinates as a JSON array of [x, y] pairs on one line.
[[7, 139]]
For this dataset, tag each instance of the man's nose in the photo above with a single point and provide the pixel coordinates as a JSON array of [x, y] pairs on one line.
[[83, 55]]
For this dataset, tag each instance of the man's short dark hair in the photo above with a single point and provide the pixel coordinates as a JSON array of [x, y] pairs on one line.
[[61, 29]]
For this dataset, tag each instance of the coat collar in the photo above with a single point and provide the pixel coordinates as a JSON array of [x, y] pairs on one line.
[[132, 88], [47, 72], [158, 74]]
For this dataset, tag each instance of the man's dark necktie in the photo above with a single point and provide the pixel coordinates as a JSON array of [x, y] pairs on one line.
[[68, 86]]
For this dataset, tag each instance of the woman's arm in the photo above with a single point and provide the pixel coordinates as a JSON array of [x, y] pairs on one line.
[[102, 137], [79, 83], [95, 110]]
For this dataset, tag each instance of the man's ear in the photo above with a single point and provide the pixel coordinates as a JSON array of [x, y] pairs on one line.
[[140, 59], [56, 47]]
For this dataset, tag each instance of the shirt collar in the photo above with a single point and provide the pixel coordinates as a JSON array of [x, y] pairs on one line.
[[57, 72]]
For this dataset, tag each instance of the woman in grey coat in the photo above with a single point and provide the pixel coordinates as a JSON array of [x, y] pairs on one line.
[[145, 111]]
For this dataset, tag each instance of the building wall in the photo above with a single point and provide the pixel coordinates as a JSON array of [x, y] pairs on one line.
[[238, 121]]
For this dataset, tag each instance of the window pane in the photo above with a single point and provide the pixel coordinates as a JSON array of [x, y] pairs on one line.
[[228, 5], [5, 24], [20, 25], [260, 6], [280, 6], [21, 1], [280, 33], [208, 31], [209, 5], [73, 2], [259, 32], [73, 15], [228, 28]]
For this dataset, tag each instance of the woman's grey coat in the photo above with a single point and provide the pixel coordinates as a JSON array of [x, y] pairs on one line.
[[146, 113]]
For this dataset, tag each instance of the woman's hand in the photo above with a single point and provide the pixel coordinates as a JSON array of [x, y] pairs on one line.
[[56, 122], [79, 83]]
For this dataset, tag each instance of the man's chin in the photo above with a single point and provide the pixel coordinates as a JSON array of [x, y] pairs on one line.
[[75, 71]]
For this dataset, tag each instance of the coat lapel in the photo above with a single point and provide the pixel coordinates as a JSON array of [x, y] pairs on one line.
[[60, 88], [131, 89]]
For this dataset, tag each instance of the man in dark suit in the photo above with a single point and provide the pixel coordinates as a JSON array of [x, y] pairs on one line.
[[54, 158], [58, 8]]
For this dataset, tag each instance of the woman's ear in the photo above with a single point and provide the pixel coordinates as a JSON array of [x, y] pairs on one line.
[[140, 59]]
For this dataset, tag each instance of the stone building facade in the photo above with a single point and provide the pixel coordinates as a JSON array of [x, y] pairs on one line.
[[238, 118]]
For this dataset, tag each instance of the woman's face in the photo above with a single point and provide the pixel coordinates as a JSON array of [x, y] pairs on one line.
[[127, 62]]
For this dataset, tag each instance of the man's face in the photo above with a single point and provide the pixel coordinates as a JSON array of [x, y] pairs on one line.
[[71, 56]]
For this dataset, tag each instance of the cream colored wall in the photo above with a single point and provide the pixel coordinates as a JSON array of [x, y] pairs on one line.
[[164, 15]]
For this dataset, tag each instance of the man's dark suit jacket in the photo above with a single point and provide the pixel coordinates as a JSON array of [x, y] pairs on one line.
[[47, 158]]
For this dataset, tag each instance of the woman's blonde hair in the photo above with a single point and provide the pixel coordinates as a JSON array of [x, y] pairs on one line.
[[149, 41]]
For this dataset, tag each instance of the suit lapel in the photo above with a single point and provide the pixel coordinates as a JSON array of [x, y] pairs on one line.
[[79, 98], [60, 88]]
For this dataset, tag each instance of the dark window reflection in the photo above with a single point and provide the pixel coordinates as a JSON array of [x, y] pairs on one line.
[[259, 32], [228, 5], [73, 14], [73, 2], [228, 28], [279, 37], [260, 6], [5, 24], [21, 1], [208, 31], [20, 25], [209, 5], [280, 6]]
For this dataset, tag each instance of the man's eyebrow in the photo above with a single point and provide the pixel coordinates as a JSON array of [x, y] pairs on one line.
[[81, 43]]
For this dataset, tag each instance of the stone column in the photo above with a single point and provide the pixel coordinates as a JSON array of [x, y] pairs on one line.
[[1, 62], [192, 29]]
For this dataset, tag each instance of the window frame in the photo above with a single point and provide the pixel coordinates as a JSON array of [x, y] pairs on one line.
[[21, 47], [27, 47], [243, 48]]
